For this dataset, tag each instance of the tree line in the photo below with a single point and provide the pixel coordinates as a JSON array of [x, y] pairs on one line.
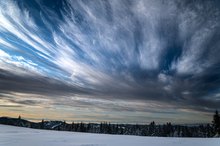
[[151, 129]]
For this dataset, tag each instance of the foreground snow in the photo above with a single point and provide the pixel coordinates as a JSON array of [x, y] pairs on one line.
[[17, 136]]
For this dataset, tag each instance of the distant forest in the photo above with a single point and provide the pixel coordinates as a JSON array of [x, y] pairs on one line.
[[152, 129]]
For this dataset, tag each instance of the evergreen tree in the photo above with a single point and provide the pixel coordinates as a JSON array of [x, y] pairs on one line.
[[101, 128], [42, 124], [109, 130], [152, 128], [117, 129], [82, 127], [64, 125], [72, 127], [89, 127], [208, 130], [216, 122], [18, 123]]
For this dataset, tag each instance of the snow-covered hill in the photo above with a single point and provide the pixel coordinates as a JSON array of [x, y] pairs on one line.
[[17, 136]]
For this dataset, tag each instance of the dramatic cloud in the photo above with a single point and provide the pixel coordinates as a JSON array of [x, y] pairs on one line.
[[86, 57]]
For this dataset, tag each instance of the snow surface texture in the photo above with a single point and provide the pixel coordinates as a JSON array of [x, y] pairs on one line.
[[17, 136]]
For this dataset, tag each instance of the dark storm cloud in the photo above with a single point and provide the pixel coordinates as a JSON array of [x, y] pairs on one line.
[[10, 82], [162, 51]]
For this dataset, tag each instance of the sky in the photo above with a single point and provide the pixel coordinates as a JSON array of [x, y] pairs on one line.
[[121, 61]]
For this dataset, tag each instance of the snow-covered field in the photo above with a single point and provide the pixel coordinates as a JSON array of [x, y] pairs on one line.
[[17, 136]]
